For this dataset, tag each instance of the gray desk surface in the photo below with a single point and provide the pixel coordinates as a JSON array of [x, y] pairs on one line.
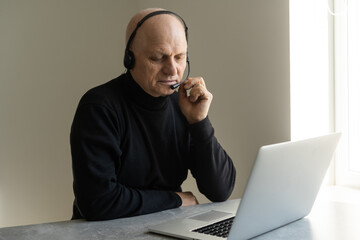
[[328, 220]]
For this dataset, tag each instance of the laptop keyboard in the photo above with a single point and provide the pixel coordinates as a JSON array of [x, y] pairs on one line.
[[220, 229]]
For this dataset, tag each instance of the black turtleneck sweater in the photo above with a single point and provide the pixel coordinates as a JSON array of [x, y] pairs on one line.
[[131, 152]]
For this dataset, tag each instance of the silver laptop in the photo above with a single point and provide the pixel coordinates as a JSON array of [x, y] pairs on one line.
[[282, 188]]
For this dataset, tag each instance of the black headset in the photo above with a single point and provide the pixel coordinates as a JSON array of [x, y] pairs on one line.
[[129, 58]]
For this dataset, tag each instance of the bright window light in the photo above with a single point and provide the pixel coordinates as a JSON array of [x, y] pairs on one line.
[[347, 62], [354, 84], [309, 68]]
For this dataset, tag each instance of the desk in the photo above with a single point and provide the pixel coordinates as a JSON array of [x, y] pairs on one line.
[[330, 219]]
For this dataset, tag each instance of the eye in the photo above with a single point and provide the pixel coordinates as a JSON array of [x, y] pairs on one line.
[[180, 56], [156, 58]]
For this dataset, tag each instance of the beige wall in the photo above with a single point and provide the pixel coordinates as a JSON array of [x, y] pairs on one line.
[[51, 52]]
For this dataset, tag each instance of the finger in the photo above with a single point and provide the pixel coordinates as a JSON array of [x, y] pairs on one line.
[[196, 94], [199, 93], [192, 82]]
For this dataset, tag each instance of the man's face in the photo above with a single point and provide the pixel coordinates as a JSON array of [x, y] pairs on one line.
[[160, 55]]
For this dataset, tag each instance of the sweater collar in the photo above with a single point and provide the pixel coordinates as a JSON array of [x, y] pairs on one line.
[[142, 98]]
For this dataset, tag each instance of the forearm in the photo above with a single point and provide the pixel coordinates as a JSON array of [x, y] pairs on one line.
[[124, 202], [210, 165]]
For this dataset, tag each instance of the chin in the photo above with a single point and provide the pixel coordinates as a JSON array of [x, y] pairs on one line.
[[161, 91], [165, 92]]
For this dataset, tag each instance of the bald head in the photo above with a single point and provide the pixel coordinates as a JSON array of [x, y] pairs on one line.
[[156, 22], [136, 18]]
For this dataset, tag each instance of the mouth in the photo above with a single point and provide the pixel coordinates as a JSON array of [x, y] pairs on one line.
[[167, 82]]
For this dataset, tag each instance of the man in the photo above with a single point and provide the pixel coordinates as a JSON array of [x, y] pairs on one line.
[[133, 139]]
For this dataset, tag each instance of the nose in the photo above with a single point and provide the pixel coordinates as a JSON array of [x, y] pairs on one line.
[[170, 67]]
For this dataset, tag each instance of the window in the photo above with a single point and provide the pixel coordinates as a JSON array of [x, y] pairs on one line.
[[309, 69], [347, 79], [325, 78]]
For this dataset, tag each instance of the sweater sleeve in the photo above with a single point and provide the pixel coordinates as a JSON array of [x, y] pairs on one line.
[[96, 154], [210, 165]]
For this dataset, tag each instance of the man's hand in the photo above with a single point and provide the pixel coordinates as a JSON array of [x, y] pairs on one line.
[[188, 198], [195, 107]]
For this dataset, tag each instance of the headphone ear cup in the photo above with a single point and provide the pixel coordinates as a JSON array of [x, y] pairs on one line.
[[129, 59]]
